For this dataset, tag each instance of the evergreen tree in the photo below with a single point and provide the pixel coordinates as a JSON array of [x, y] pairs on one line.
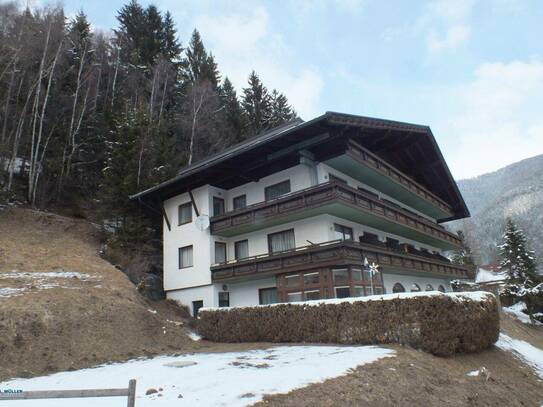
[[256, 103], [517, 260], [233, 111], [153, 39], [198, 65], [281, 111], [131, 32], [171, 48]]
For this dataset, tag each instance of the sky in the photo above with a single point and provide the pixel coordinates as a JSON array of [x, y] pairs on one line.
[[470, 69]]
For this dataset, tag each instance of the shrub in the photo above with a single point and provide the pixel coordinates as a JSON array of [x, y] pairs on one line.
[[442, 324]]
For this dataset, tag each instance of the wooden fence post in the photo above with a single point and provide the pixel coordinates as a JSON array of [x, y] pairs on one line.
[[131, 393]]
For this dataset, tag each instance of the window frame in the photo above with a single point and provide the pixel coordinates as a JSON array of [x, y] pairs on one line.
[[236, 249], [184, 205], [348, 287], [217, 199], [260, 290], [223, 247], [343, 227], [234, 199], [278, 233], [181, 257], [227, 299], [269, 187]]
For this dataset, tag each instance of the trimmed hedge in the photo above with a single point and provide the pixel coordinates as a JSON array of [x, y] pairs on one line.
[[442, 324]]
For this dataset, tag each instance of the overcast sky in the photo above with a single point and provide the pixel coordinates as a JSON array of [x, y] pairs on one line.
[[472, 70]]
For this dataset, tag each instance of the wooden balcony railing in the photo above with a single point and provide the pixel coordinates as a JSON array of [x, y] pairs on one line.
[[264, 213], [362, 154], [332, 254]]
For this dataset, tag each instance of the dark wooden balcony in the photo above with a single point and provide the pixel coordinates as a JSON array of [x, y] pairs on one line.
[[333, 254], [337, 199], [369, 168]]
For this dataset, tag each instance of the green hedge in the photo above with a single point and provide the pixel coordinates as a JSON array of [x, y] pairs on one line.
[[442, 324]]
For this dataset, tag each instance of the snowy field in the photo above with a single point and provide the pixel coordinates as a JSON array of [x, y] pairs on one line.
[[213, 379], [527, 353]]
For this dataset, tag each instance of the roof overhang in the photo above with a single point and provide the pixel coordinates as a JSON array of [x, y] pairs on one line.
[[411, 148]]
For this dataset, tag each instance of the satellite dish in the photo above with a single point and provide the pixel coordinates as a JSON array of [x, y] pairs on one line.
[[202, 222]]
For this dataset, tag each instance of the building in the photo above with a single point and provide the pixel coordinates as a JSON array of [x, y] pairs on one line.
[[298, 212], [491, 275]]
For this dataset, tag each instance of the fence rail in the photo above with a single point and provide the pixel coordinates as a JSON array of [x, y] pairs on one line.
[[129, 392]]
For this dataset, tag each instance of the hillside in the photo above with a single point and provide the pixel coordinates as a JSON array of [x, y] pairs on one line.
[[63, 307], [514, 191]]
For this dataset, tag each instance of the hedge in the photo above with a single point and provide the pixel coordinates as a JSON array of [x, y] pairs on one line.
[[442, 324]]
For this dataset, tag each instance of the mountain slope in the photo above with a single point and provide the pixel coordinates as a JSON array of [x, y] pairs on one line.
[[64, 307], [514, 191]]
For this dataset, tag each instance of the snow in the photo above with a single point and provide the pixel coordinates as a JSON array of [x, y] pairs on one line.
[[524, 351], [473, 373], [216, 379], [459, 296], [14, 274], [487, 276], [194, 336], [516, 311]]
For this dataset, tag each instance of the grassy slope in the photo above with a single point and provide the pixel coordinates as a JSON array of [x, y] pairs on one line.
[[84, 323]]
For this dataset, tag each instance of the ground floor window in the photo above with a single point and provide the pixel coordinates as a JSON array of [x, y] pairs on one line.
[[267, 295], [429, 287], [224, 299], [441, 288], [398, 288], [347, 281], [415, 288], [196, 305]]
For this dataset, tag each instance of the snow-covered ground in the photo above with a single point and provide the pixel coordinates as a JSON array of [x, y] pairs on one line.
[[516, 311], [527, 353], [217, 379]]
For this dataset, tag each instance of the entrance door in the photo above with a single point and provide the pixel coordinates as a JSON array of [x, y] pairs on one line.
[[196, 305]]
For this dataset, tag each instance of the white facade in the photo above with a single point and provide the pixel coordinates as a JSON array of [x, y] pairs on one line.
[[194, 283]]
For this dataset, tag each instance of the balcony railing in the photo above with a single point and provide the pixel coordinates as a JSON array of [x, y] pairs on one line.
[[332, 254], [264, 214], [362, 154]]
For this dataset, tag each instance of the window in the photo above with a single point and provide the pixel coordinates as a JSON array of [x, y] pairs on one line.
[[342, 292], [196, 305], [276, 190], [398, 288], [429, 287], [358, 291], [357, 274], [292, 281], [367, 274], [220, 252], [415, 288], [185, 257], [267, 295], [343, 232], [185, 213], [312, 295], [218, 206], [369, 238], [341, 276], [281, 241], [241, 249], [441, 288], [334, 178], [239, 202], [224, 299], [311, 279], [291, 297], [378, 290]]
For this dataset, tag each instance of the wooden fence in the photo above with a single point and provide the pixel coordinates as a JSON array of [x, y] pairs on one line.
[[129, 392]]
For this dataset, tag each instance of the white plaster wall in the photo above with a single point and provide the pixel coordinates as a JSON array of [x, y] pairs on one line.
[[315, 229], [185, 235], [246, 293], [389, 279], [322, 173], [299, 176], [208, 294]]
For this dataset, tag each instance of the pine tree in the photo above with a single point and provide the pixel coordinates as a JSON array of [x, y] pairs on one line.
[[256, 103], [517, 260], [233, 111], [171, 48], [131, 32], [281, 111], [198, 65], [153, 36]]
